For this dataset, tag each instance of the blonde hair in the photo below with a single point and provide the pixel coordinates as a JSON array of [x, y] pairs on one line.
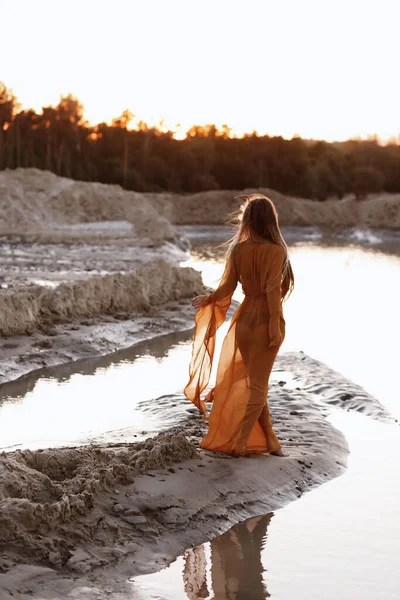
[[258, 217]]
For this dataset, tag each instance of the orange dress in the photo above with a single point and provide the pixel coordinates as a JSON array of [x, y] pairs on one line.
[[239, 422]]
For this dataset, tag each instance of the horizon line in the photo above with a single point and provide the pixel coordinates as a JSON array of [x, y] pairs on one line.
[[180, 132]]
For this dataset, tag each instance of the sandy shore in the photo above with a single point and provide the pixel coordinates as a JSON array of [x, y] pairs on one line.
[[77, 523]]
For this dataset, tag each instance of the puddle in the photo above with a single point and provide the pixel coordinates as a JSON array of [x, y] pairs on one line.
[[109, 399]]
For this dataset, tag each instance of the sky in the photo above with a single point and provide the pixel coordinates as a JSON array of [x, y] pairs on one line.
[[323, 69]]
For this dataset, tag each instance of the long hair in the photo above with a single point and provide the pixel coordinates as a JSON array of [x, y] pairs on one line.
[[257, 217]]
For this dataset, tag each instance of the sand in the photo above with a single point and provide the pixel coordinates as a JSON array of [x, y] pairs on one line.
[[86, 268], [77, 312], [26, 309], [40, 205], [79, 522], [89, 337], [82, 265], [213, 208]]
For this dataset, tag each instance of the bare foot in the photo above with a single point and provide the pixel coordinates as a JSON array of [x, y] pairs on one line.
[[240, 450], [239, 454], [278, 453]]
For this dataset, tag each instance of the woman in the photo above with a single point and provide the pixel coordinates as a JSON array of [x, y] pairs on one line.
[[239, 422]]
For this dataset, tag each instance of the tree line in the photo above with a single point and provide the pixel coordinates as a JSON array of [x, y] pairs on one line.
[[148, 159]]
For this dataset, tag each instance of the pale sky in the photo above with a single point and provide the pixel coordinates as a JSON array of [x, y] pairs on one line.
[[317, 68]]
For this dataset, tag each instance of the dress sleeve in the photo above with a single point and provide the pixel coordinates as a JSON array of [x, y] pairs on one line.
[[274, 296], [208, 319], [226, 287]]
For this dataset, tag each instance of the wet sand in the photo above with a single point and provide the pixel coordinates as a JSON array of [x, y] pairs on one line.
[[91, 518], [93, 336], [62, 303]]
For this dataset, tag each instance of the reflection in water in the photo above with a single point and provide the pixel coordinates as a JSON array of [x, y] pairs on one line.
[[195, 573], [157, 347], [229, 567], [97, 400], [340, 541], [236, 569]]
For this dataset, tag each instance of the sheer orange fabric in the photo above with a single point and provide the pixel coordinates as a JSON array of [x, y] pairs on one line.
[[239, 422]]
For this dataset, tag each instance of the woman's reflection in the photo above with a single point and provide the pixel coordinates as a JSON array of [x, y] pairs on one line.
[[236, 568]]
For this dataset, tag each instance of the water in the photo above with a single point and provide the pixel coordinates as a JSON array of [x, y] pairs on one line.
[[342, 540], [105, 400], [343, 312]]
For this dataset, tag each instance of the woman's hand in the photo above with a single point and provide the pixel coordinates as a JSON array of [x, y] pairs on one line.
[[198, 301]]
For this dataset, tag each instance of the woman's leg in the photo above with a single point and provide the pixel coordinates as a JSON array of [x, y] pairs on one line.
[[264, 419], [258, 360], [253, 412]]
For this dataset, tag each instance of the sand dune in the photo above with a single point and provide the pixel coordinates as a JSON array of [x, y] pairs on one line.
[[33, 201], [214, 207], [36, 201], [92, 262]]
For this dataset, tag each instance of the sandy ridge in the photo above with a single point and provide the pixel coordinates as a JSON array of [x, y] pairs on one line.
[[214, 208], [23, 310]]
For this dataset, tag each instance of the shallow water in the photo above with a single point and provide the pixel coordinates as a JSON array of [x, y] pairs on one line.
[[343, 312], [106, 400], [342, 540], [116, 398]]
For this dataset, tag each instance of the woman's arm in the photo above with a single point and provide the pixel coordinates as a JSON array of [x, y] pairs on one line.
[[274, 296], [223, 294], [227, 284]]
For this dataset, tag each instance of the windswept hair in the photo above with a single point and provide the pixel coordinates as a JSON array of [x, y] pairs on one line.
[[257, 217]]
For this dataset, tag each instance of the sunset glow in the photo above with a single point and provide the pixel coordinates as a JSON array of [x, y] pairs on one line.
[[315, 69]]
